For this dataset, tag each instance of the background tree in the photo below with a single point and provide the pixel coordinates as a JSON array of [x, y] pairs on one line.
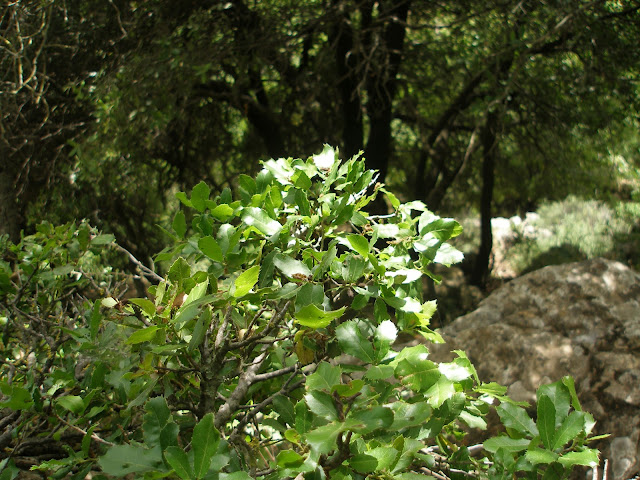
[[503, 101]]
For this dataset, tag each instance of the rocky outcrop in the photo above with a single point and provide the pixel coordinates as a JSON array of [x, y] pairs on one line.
[[580, 319]]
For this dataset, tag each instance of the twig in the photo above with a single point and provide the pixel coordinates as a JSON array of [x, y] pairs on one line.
[[93, 435], [145, 270]]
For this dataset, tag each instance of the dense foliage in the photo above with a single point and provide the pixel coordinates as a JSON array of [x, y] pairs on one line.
[[269, 348], [108, 106]]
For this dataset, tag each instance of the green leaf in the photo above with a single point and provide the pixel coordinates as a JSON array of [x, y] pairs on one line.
[[73, 403], [546, 421], [386, 457], [291, 267], [289, 459], [537, 456], [363, 463], [313, 317], [359, 244], [440, 392], [179, 224], [324, 378], [371, 419], [304, 418], [516, 418], [183, 198], [323, 439], [179, 271], [142, 335], [321, 404], [572, 426], [122, 460], [571, 387], [353, 343], [210, 248], [199, 196], [156, 418], [178, 460], [512, 445], [560, 398], [146, 305], [283, 406], [588, 457], [222, 212], [204, 443], [246, 281], [200, 329], [409, 414], [259, 219], [414, 368], [103, 239]]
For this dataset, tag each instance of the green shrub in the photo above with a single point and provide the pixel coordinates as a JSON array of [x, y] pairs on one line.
[[566, 231], [265, 352]]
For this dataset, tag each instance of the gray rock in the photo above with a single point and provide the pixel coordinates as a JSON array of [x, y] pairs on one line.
[[579, 319]]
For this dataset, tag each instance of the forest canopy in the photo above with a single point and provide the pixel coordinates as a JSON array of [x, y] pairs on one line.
[[109, 107]]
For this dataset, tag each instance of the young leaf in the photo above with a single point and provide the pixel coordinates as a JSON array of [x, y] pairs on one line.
[[570, 429], [259, 219], [246, 281], [142, 335], [588, 457], [199, 196], [179, 224], [546, 421], [313, 317], [210, 248], [516, 418]]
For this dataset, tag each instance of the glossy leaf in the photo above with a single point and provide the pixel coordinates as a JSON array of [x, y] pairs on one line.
[[178, 460], [313, 317], [204, 443], [246, 281]]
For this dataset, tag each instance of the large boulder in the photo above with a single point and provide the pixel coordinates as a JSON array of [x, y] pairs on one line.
[[580, 319]]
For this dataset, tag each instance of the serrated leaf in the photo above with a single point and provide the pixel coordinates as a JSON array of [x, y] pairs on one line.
[[546, 421], [570, 429], [304, 418], [538, 455], [512, 445], [588, 457], [204, 443], [178, 460], [246, 281], [325, 377], [142, 335], [210, 248], [324, 439], [321, 404], [409, 414], [199, 196], [259, 219], [353, 343], [183, 198], [516, 418], [283, 406], [371, 419], [313, 317], [179, 271], [560, 398], [440, 391], [155, 419]]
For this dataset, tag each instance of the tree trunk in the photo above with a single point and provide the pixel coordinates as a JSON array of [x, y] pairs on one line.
[[11, 219], [381, 90], [489, 153]]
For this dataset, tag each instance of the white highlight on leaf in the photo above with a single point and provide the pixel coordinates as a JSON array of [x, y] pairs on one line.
[[325, 160]]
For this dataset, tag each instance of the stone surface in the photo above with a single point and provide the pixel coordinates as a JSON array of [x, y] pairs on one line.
[[580, 319]]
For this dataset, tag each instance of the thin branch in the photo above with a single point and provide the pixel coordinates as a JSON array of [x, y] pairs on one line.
[[146, 271]]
